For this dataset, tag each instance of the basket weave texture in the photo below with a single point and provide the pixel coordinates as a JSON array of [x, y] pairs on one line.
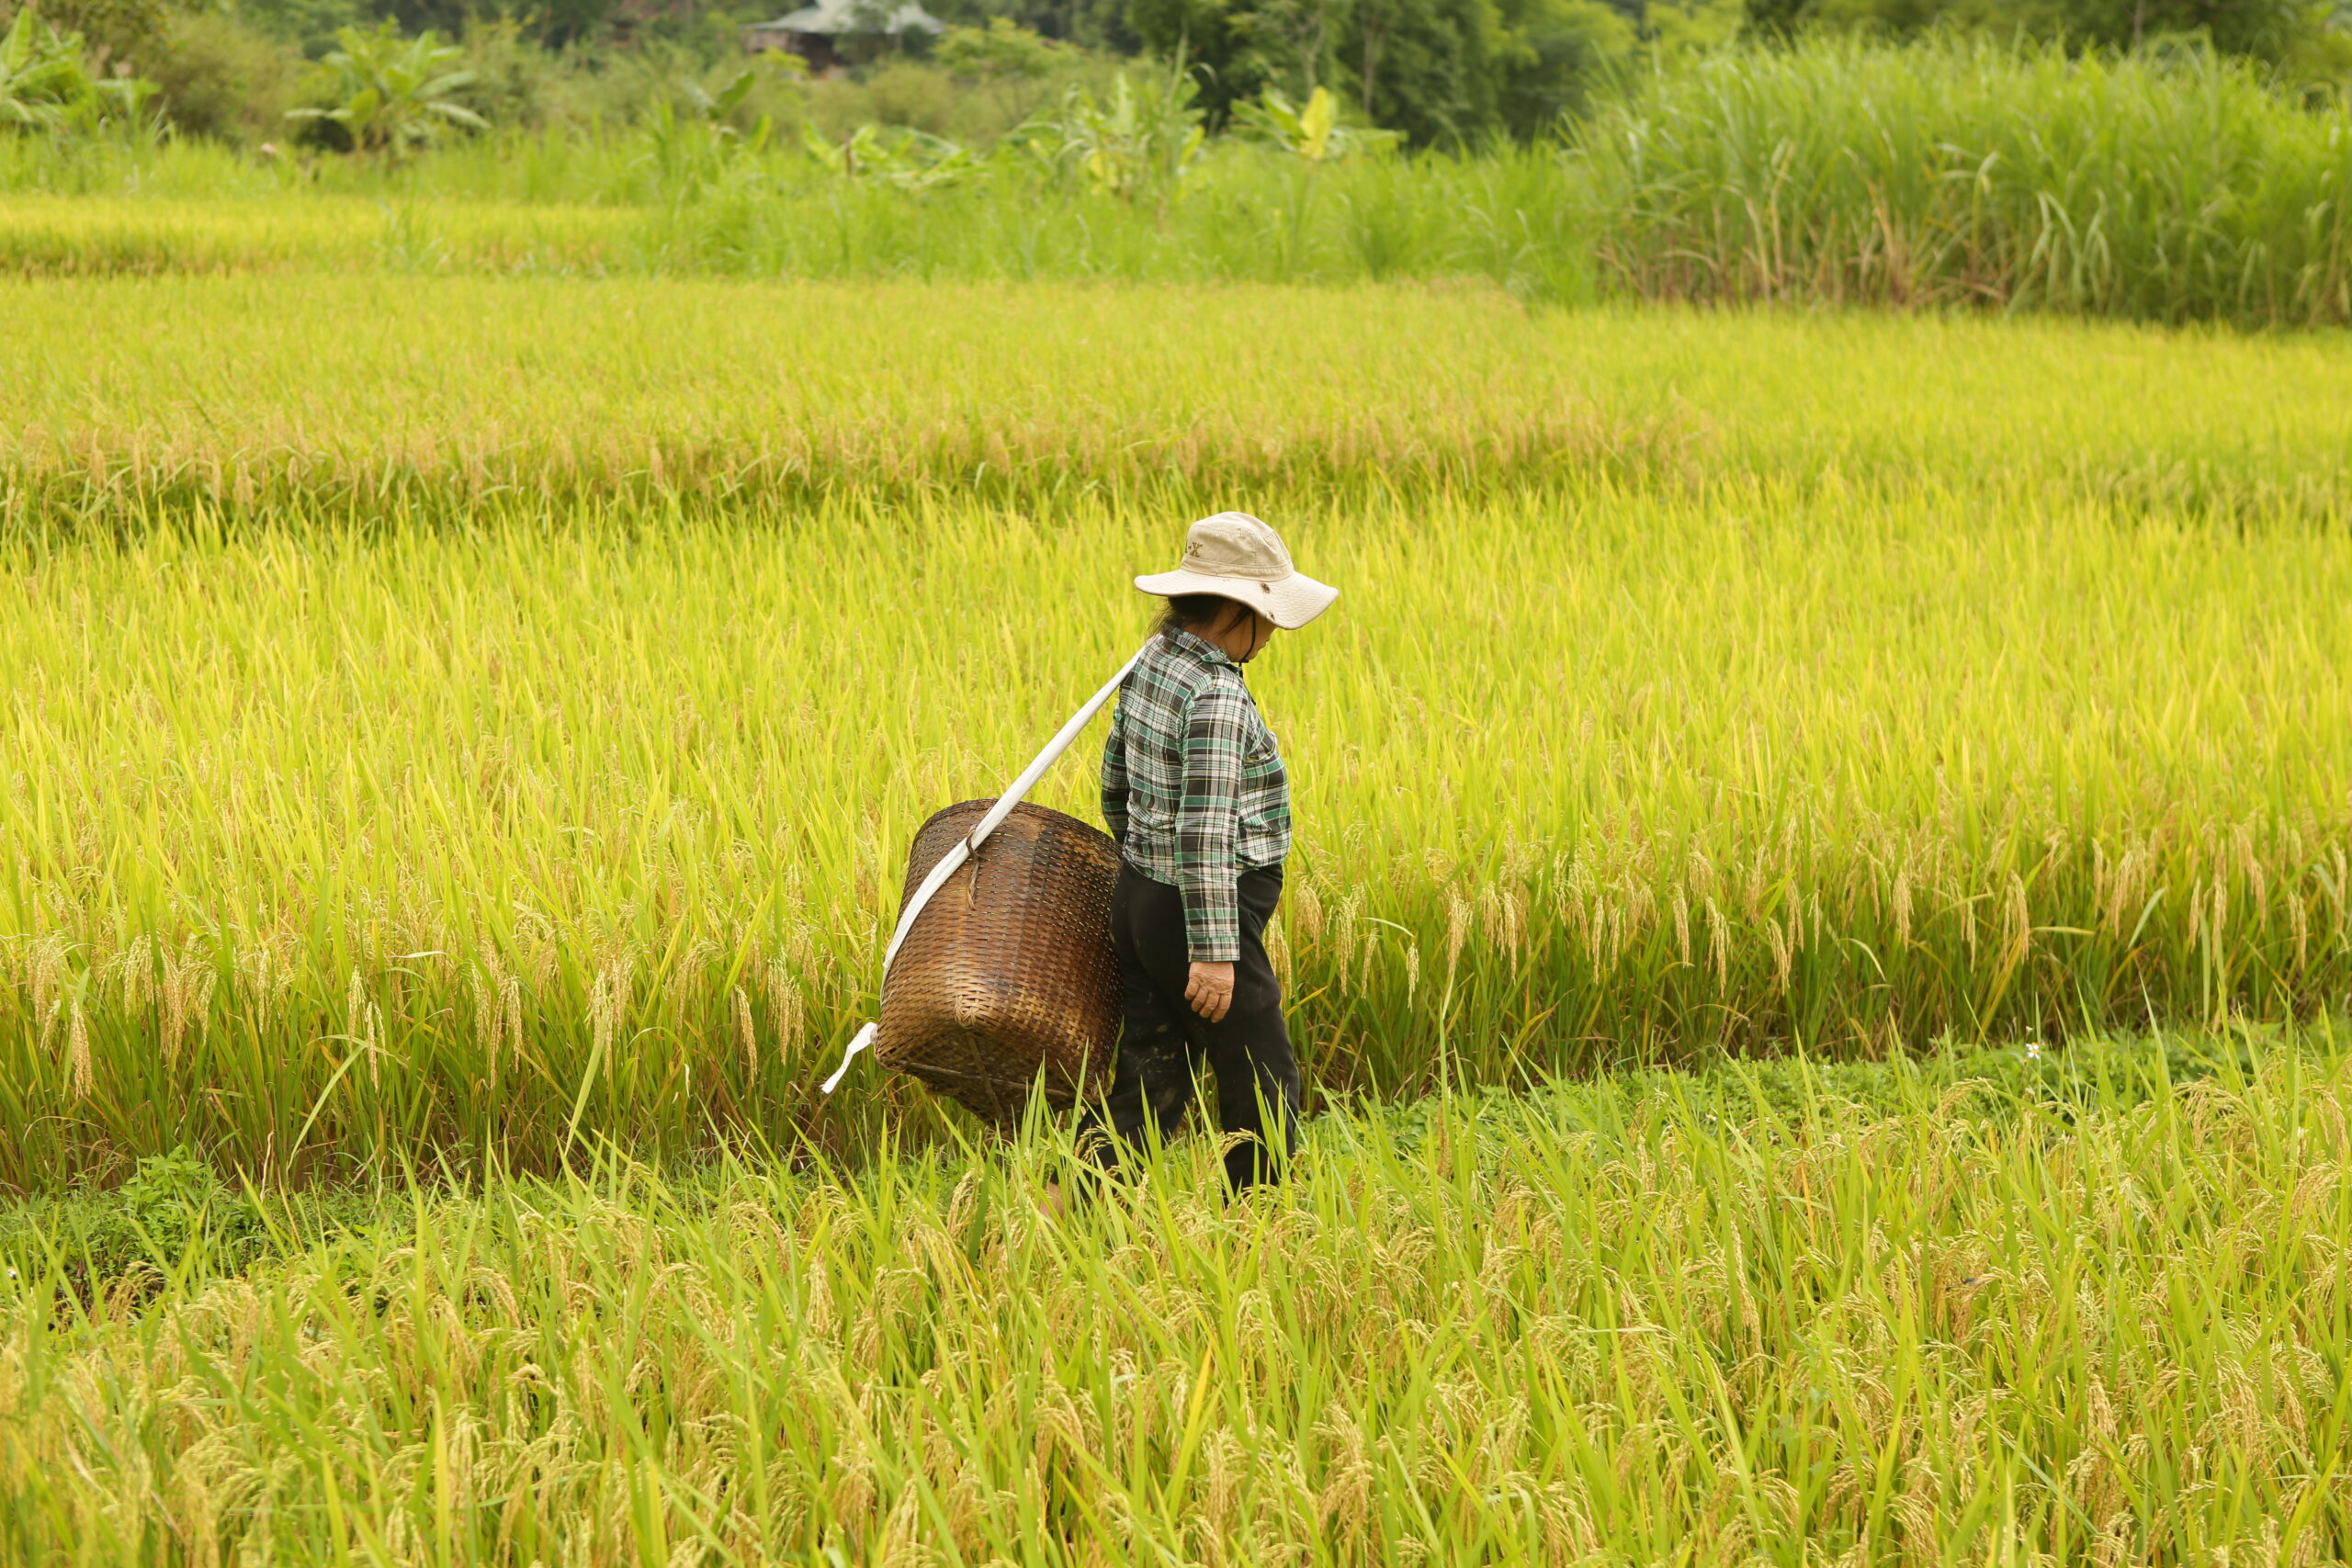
[[1008, 976]]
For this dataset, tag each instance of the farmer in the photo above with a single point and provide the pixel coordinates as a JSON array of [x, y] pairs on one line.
[[1194, 792]]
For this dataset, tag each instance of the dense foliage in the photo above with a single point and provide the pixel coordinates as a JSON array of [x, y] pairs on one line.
[[1443, 72], [2172, 185]]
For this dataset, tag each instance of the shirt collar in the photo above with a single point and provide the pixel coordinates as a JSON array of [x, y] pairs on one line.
[[1200, 648]]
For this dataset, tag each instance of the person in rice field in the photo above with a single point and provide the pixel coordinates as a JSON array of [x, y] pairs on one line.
[[1195, 791]]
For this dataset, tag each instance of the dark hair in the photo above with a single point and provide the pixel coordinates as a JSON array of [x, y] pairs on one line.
[[1186, 611]]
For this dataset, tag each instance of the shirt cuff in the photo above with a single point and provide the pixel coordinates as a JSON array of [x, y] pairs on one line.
[[1212, 936]]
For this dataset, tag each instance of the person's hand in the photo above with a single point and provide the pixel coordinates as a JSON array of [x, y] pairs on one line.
[[1209, 988]]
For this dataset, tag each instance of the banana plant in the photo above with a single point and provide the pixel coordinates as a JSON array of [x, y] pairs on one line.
[[127, 106], [394, 93], [1313, 133], [42, 84], [687, 152], [1142, 138], [716, 107]]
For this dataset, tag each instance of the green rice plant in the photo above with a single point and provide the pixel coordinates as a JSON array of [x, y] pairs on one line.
[[463, 738], [49, 236], [1957, 1317]]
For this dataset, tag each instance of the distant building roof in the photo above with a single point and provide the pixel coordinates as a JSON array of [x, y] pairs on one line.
[[836, 17]]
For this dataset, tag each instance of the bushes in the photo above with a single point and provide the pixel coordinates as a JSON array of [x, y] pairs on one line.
[[1446, 73], [223, 80]]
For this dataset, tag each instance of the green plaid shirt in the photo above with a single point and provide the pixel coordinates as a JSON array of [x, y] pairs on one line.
[[1193, 784]]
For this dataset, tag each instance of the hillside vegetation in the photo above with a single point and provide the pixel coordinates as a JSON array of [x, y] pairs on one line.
[[2170, 185]]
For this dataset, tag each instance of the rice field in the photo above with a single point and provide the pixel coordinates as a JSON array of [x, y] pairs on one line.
[[457, 723], [1818, 933], [1982, 1308]]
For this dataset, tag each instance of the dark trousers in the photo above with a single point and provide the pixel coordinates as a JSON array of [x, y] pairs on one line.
[[1163, 1044]]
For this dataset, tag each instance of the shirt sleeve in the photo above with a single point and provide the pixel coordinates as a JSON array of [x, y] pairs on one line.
[[1114, 776], [1208, 821]]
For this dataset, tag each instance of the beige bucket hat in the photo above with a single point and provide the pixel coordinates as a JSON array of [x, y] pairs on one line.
[[1235, 556]]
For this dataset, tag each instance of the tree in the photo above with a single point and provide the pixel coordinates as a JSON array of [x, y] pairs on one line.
[[1555, 55], [1089, 24], [1223, 42], [1429, 68], [1445, 72], [1425, 67]]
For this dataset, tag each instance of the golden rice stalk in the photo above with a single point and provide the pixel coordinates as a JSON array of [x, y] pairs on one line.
[[79, 1072], [788, 1007]]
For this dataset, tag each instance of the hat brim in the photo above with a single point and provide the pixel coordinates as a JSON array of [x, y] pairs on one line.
[[1289, 602]]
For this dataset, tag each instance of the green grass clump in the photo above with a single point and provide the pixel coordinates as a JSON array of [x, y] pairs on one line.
[[1935, 1315], [1513, 218], [501, 727], [173, 1221], [2169, 187]]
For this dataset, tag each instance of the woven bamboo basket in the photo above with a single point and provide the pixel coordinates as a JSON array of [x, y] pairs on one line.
[[1007, 977]]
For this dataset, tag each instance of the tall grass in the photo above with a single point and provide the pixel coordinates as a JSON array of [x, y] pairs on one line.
[[612, 206], [2077, 1316], [2167, 186], [468, 718]]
